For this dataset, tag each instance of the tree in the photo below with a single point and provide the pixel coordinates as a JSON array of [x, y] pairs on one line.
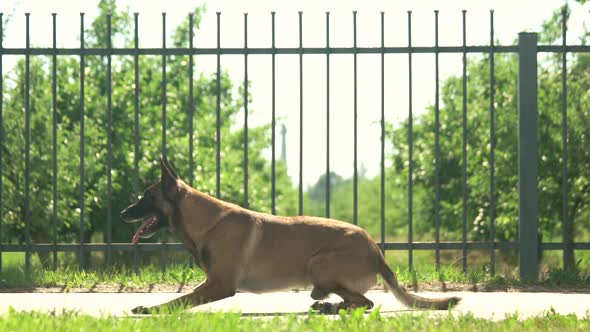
[[478, 147], [123, 135], [369, 203], [317, 192]]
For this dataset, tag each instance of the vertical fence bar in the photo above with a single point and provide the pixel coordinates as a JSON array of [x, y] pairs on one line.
[[136, 105], [355, 172], [527, 156], [273, 138], [163, 85], [464, 151], [1, 125], [410, 147], [218, 112], [382, 191], [191, 114], [492, 151], [81, 186], [163, 237], [567, 227], [245, 110], [300, 207], [109, 143], [328, 184], [436, 147], [27, 148], [191, 103], [136, 129], [54, 143]]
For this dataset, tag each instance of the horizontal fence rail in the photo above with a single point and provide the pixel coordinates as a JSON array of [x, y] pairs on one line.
[[528, 243], [74, 247], [289, 50]]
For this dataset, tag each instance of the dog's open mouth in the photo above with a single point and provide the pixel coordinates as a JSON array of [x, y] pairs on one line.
[[147, 228]]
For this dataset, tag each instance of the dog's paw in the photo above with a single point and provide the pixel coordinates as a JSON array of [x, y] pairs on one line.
[[141, 310], [324, 307], [328, 308]]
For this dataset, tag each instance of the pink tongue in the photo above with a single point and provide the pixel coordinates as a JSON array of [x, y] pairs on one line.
[[145, 224]]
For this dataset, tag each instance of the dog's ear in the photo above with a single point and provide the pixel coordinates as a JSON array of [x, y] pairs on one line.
[[170, 168], [169, 184]]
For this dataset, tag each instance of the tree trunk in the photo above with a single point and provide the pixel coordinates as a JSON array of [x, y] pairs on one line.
[[569, 260]]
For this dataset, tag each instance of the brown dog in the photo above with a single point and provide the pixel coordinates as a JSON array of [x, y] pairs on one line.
[[239, 249]]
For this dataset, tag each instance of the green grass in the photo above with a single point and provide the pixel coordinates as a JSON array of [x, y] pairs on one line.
[[355, 321], [115, 277], [14, 276], [124, 278]]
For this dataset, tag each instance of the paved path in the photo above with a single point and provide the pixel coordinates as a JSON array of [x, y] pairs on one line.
[[494, 305]]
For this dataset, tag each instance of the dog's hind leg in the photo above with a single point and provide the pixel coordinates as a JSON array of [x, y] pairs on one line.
[[351, 300], [344, 275], [318, 293]]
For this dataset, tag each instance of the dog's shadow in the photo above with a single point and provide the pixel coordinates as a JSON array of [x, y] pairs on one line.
[[283, 313], [307, 313]]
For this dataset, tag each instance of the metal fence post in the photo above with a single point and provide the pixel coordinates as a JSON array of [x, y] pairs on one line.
[[527, 156]]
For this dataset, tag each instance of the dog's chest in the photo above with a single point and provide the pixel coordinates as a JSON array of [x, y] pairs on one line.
[[201, 255]]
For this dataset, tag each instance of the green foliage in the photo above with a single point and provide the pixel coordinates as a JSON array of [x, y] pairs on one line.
[[149, 136], [369, 209], [179, 274], [478, 146], [506, 148], [353, 321], [478, 162]]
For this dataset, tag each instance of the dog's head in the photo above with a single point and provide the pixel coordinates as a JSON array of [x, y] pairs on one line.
[[156, 209]]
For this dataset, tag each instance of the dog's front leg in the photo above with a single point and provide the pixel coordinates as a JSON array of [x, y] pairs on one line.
[[208, 291]]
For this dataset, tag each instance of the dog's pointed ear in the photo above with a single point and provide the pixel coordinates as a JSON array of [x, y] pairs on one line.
[[169, 184], [170, 168]]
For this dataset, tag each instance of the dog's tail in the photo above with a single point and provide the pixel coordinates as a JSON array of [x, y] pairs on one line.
[[412, 300]]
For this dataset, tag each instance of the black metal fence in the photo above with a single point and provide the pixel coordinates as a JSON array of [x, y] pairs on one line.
[[527, 49]]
